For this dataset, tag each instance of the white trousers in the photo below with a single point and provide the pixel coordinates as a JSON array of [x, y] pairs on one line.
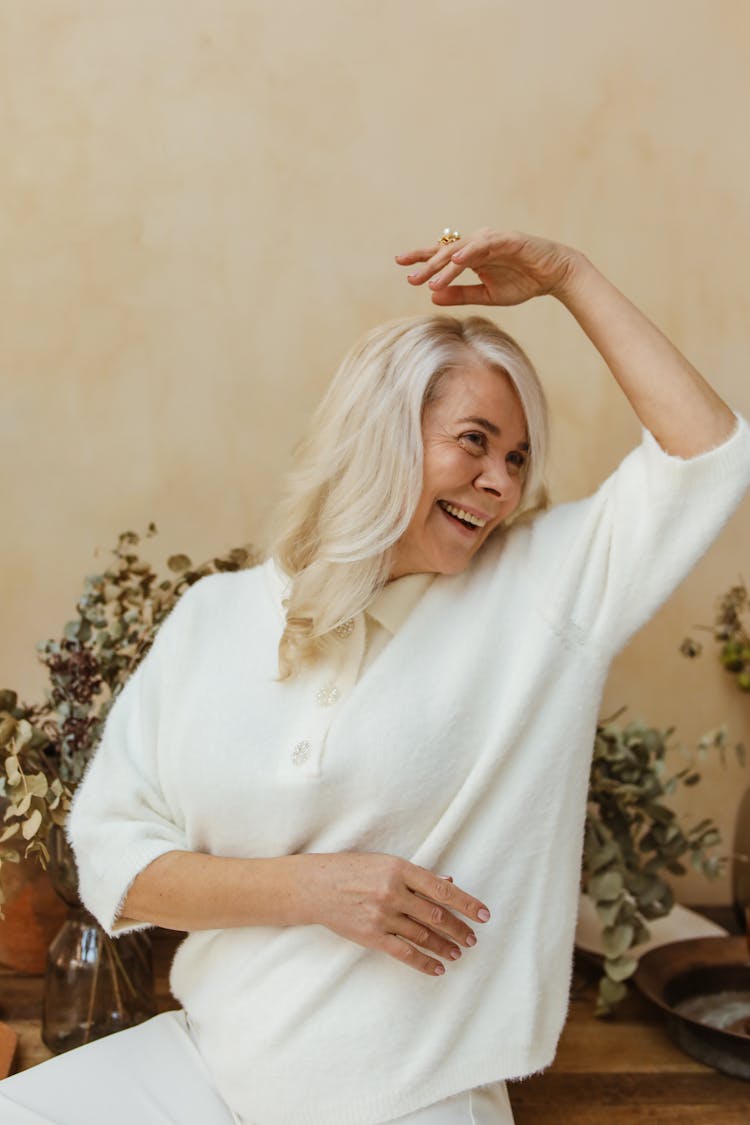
[[153, 1074]]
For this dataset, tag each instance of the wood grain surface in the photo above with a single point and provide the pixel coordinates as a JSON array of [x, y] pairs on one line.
[[620, 1071]]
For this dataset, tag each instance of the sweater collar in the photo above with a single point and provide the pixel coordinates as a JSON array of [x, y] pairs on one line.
[[392, 605]]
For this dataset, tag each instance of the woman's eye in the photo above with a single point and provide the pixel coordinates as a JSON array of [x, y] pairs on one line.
[[475, 440], [517, 459]]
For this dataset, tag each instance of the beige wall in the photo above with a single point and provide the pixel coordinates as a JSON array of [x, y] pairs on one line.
[[200, 204]]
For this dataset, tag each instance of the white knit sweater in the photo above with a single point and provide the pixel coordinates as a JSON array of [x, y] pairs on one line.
[[465, 747]]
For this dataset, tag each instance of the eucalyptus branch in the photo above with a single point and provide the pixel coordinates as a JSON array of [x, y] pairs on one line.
[[632, 839]]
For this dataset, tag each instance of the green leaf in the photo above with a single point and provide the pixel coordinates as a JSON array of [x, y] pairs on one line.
[[8, 700], [22, 807], [24, 733], [642, 932], [612, 991], [37, 785], [601, 857], [659, 813], [30, 827], [12, 769], [605, 887], [617, 939], [705, 823], [7, 729], [608, 912], [654, 890], [620, 968], [178, 563]]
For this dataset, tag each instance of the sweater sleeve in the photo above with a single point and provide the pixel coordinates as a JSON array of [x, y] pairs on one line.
[[120, 820], [608, 562]]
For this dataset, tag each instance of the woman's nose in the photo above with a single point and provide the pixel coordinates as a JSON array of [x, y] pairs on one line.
[[495, 477]]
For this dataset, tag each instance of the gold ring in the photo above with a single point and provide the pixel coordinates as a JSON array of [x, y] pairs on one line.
[[449, 236]]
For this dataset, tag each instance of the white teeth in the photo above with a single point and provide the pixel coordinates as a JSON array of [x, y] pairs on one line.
[[462, 515]]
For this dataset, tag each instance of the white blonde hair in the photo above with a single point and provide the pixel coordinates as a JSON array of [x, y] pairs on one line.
[[357, 477]]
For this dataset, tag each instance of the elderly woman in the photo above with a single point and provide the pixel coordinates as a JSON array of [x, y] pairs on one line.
[[357, 774]]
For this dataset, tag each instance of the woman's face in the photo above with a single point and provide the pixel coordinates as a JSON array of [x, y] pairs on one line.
[[475, 452]]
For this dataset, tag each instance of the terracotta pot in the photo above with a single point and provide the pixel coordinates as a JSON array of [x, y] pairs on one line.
[[34, 913]]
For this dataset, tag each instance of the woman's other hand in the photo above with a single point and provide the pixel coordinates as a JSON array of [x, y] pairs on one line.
[[512, 268], [384, 902]]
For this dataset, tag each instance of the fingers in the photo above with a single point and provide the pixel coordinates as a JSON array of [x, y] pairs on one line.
[[434, 257], [433, 265], [442, 922], [419, 934], [461, 295], [444, 262], [412, 256], [443, 892], [411, 956]]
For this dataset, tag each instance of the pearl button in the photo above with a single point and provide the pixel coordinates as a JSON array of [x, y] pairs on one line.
[[345, 629], [301, 752], [327, 695]]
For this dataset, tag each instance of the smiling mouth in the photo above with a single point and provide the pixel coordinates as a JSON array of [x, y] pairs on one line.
[[459, 516]]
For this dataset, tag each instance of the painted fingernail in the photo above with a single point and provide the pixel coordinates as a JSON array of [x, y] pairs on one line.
[[471, 940], [434, 281], [439, 970], [455, 954], [483, 915]]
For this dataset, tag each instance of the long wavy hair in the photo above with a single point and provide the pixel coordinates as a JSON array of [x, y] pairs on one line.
[[357, 476]]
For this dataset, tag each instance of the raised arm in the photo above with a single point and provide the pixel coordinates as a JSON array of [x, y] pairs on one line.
[[670, 397]]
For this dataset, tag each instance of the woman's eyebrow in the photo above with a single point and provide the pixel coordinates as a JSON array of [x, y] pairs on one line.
[[492, 429], [484, 423]]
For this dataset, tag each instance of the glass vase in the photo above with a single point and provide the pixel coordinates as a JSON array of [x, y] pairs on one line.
[[94, 984]]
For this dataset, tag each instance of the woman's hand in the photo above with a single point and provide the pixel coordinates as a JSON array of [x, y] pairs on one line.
[[670, 397], [512, 267], [386, 903]]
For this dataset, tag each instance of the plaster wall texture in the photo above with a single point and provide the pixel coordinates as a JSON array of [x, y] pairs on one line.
[[200, 204]]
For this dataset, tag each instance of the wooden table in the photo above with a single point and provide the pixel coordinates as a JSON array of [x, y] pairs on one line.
[[607, 1072], [625, 1070]]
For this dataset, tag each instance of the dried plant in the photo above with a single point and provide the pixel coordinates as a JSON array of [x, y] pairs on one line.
[[731, 630], [45, 747]]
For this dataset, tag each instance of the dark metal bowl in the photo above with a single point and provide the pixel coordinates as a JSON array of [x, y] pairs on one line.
[[703, 987]]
